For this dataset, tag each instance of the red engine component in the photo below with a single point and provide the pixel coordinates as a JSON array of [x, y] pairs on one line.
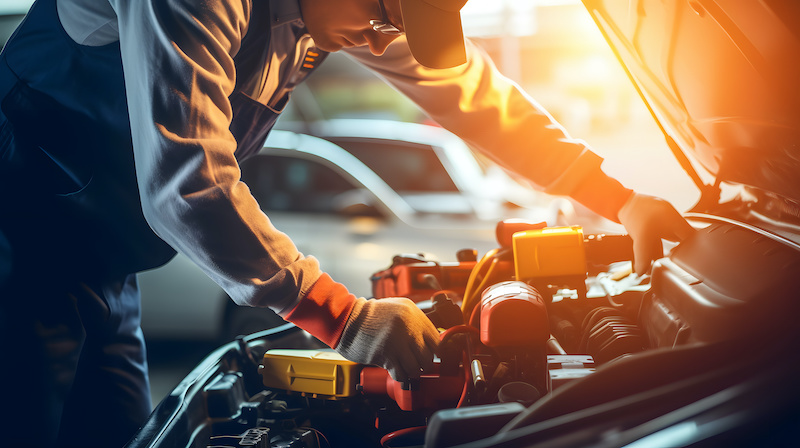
[[430, 392], [505, 230], [513, 314], [412, 279]]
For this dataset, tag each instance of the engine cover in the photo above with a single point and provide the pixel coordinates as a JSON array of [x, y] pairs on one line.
[[728, 281]]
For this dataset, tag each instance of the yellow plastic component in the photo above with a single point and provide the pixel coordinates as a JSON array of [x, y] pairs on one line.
[[549, 252], [321, 373]]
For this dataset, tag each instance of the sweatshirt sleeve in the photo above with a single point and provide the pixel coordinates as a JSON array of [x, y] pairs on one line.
[[179, 73], [494, 115]]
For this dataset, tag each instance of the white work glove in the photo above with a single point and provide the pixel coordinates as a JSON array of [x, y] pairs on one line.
[[648, 220], [392, 333]]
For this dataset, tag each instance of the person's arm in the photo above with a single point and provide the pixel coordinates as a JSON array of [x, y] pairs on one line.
[[178, 63], [494, 115], [489, 111]]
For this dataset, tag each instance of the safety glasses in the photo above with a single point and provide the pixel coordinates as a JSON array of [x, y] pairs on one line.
[[384, 25]]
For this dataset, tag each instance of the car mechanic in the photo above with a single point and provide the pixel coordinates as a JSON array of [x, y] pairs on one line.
[[122, 123]]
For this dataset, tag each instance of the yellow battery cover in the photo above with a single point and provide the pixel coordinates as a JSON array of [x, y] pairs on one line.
[[549, 252], [324, 374]]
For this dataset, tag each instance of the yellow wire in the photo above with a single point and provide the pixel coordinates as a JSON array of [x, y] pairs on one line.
[[466, 304], [484, 283]]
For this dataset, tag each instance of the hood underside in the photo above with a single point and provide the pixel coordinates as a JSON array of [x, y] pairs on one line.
[[721, 77]]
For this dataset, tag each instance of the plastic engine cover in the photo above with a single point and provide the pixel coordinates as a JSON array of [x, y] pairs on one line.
[[726, 282]]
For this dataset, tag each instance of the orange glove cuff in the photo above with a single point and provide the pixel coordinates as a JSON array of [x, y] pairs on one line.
[[324, 310], [602, 194]]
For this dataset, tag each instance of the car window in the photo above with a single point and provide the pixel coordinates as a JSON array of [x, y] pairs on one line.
[[406, 167], [294, 185]]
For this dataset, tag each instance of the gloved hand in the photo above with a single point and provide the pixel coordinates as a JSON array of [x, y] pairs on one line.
[[649, 219], [393, 333]]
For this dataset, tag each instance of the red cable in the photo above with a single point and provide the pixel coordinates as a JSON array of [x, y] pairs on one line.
[[400, 432], [473, 317], [463, 398], [447, 334]]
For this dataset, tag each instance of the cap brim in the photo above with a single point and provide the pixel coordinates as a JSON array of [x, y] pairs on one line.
[[434, 36]]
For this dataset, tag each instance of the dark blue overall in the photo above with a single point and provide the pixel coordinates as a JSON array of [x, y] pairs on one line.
[[72, 234]]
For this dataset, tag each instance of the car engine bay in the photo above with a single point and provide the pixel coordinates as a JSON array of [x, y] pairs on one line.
[[549, 339]]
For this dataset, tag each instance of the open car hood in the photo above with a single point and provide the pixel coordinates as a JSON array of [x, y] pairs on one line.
[[721, 78]]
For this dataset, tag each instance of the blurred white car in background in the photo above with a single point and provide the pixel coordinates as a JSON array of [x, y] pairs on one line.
[[397, 188]]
